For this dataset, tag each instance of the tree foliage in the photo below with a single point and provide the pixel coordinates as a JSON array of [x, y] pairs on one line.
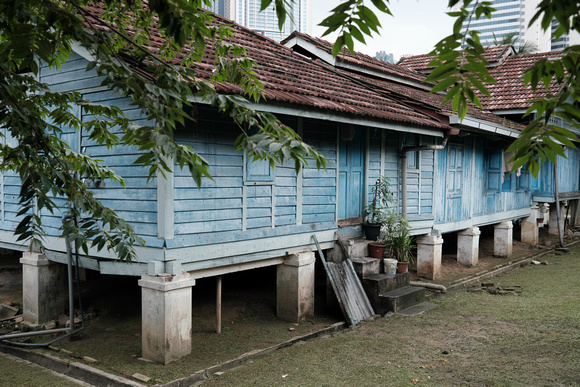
[[162, 84]]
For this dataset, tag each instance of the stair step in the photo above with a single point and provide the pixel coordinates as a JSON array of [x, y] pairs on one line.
[[366, 266], [357, 248], [402, 298], [383, 283], [417, 309]]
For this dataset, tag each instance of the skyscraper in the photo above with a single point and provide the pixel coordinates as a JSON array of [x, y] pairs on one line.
[[511, 16], [247, 13]]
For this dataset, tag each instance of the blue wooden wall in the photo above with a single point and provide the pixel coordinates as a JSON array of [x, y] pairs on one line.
[[247, 199], [137, 203], [471, 184]]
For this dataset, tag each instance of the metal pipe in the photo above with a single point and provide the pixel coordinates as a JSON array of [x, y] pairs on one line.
[[70, 329], [441, 288], [557, 195]]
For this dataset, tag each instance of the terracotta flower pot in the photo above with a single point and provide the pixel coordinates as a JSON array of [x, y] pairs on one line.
[[402, 267], [376, 250]]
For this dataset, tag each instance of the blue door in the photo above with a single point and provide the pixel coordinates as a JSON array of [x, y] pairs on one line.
[[350, 177]]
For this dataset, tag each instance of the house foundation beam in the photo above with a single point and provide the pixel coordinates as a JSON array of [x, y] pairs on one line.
[[295, 287], [43, 288], [166, 316], [468, 246], [503, 239], [429, 249], [530, 233]]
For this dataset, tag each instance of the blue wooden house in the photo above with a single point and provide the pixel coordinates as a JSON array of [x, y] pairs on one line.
[[509, 99], [367, 117]]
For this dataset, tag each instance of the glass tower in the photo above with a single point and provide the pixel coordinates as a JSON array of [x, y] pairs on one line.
[[247, 13]]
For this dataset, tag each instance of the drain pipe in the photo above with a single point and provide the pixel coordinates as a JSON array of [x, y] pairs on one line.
[[557, 197], [427, 285], [404, 151]]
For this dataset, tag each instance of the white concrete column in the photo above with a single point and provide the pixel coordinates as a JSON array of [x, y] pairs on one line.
[[503, 239], [530, 230], [553, 222], [44, 291], [468, 246], [295, 287], [166, 316], [429, 249]]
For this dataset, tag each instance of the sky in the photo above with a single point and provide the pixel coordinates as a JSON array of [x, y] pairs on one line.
[[415, 27]]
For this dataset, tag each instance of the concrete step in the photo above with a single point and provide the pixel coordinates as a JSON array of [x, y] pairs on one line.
[[400, 299], [357, 247], [383, 283], [366, 266], [377, 284], [417, 309]]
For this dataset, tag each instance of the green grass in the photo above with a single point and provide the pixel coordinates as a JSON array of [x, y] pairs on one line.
[[532, 339]]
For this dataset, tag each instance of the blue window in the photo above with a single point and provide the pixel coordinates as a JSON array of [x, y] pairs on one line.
[[494, 170]]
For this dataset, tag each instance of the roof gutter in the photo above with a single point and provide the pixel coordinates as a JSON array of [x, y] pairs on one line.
[[484, 126]]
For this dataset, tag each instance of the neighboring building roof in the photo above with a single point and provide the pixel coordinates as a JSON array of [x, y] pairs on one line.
[[494, 55], [509, 91], [508, 68]]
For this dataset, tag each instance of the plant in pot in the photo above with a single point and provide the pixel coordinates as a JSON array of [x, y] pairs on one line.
[[377, 248], [402, 246], [377, 211]]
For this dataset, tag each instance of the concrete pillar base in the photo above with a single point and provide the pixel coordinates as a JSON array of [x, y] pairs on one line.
[[503, 239], [468, 246], [530, 231], [429, 256], [295, 287], [166, 316], [44, 292]]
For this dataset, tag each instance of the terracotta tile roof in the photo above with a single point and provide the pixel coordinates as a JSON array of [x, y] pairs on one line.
[[493, 54], [507, 68], [509, 91], [410, 94], [359, 59], [293, 79]]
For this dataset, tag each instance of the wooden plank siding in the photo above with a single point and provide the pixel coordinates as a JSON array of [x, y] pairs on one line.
[[137, 203], [235, 206], [477, 191]]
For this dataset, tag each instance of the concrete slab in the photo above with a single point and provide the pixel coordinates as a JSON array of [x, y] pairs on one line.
[[417, 309]]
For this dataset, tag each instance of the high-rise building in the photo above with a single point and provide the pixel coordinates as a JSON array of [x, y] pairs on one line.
[[247, 13], [511, 16], [385, 57], [565, 40]]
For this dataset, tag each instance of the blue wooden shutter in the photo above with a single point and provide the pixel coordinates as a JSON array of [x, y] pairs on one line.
[[259, 170], [494, 170]]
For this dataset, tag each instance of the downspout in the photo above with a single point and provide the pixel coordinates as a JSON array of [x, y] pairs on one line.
[[404, 151]]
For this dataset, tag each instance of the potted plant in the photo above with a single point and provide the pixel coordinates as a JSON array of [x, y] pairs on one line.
[[377, 211], [377, 248], [402, 246]]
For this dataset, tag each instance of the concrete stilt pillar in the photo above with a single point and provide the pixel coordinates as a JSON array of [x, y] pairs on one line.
[[503, 236], [429, 249], [530, 231], [295, 287], [44, 292], [468, 246], [166, 316], [553, 221]]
